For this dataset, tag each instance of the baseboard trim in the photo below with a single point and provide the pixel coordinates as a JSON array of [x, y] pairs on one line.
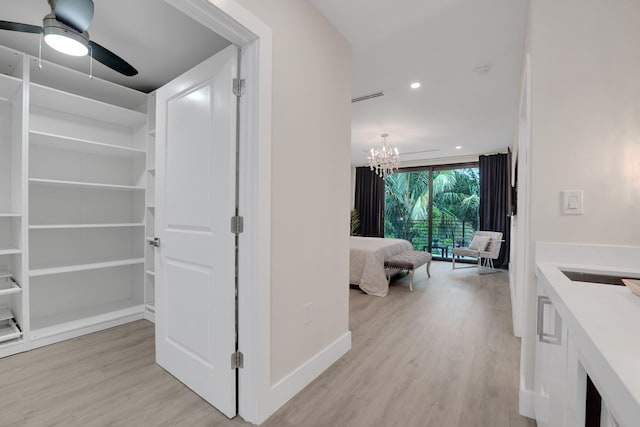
[[293, 383], [527, 403]]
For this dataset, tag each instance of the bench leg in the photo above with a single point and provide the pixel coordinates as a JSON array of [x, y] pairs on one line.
[[453, 262], [428, 266], [411, 280]]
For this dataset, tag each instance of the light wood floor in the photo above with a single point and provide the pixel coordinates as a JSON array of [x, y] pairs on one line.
[[441, 356]]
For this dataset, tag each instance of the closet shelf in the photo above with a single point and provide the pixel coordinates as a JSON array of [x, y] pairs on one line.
[[8, 286], [9, 330], [84, 184], [74, 226], [5, 273], [84, 107], [150, 272], [10, 215], [70, 321], [85, 267], [9, 85], [60, 142], [9, 251]]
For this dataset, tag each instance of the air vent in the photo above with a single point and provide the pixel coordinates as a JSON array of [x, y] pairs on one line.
[[365, 97]]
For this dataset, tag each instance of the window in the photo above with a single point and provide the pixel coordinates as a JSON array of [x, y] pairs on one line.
[[435, 208]]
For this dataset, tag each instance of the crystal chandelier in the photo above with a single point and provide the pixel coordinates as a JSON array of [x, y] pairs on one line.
[[384, 159]]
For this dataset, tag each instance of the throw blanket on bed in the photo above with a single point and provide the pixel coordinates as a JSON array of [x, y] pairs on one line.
[[366, 265]]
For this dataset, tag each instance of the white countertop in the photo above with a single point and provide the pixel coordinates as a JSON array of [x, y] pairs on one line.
[[604, 325]]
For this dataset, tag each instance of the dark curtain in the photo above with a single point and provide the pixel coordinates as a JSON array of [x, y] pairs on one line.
[[495, 206], [370, 202]]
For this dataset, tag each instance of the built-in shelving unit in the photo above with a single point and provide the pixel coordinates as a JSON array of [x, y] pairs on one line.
[[13, 303], [86, 226], [150, 276], [76, 203]]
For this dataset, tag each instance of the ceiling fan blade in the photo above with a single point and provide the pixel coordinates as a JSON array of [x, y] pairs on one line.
[[77, 14], [17, 26], [111, 60]]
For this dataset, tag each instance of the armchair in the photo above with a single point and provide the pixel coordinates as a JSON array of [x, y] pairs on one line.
[[485, 246]]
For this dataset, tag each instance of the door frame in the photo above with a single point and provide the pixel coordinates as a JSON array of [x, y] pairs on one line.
[[231, 21]]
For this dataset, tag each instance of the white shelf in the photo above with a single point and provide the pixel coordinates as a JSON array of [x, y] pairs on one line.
[[4, 273], [10, 215], [75, 226], [9, 85], [9, 331], [84, 267], [9, 251], [84, 184], [8, 287], [84, 107], [5, 313], [46, 326], [48, 140], [150, 272]]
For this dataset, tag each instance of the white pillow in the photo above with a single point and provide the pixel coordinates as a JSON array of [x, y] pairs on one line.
[[479, 243]]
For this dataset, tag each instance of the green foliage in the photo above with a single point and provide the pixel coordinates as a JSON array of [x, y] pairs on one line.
[[455, 205], [355, 222]]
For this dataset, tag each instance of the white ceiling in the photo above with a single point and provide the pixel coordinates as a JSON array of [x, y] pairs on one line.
[[159, 41], [438, 43], [395, 42]]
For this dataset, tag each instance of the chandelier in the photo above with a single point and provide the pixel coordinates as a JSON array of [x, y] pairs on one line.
[[384, 159]]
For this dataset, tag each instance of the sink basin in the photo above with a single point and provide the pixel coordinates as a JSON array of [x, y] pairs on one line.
[[601, 278]]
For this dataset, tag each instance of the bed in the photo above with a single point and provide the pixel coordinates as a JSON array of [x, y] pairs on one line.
[[366, 262]]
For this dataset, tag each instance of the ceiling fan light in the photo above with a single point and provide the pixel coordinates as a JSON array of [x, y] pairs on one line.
[[66, 45], [63, 39]]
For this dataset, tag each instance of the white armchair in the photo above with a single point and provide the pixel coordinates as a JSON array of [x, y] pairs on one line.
[[485, 246]]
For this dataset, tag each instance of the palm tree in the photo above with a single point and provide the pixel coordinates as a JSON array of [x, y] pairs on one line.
[[455, 200], [406, 201]]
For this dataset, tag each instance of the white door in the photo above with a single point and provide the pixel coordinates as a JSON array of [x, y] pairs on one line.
[[195, 200]]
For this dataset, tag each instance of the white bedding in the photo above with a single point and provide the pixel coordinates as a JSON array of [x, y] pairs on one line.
[[366, 262]]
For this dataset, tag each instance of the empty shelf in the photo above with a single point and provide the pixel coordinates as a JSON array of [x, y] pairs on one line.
[[47, 140], [72, 226], [9, 330], [9, 251], [84, 184], [9, 215], [9, 86], [8, 286], [46, 326], [85, 267], [151, 272], [84, 107]]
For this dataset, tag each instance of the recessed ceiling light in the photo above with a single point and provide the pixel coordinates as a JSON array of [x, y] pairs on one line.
[[458, 147], [415, 85], [482, 69]]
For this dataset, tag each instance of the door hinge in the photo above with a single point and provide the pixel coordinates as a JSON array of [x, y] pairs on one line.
[[237, 360], [237, 224], [238, 87]]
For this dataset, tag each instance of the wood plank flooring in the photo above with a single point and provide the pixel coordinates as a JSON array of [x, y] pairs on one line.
[[443, 355]]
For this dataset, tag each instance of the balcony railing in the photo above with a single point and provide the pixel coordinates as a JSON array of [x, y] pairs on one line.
[[444, 235]]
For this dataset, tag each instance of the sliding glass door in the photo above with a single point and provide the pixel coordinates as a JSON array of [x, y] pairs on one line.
[[435, 208]]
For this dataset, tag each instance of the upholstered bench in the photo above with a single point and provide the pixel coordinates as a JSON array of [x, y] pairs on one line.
[[409, 261]]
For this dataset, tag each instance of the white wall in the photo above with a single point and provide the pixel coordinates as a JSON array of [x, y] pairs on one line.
[[585, 68], [310, 182]]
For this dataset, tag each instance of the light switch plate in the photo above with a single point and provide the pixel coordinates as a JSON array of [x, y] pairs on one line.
[[572, 202]]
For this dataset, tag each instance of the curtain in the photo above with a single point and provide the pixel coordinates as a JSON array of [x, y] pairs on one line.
[[369, 202], [495, 186]]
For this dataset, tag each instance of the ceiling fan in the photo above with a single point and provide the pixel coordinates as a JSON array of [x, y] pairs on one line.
[[65, 30]]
